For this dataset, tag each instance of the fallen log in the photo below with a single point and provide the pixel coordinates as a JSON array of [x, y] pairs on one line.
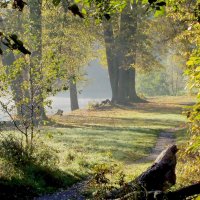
[[153, 183], [181, 194]]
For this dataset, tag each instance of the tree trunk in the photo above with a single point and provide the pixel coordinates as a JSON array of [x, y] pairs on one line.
[[8, 59], [113, 69], [121, 55], [73, 95], [128, 48], [123, 87], [72, 83], [181, 194], [36, 56]]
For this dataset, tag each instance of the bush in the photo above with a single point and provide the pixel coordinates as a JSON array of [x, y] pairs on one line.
[[106, 177], [16, 153], [44, 155], [12, 150], [37, 167]]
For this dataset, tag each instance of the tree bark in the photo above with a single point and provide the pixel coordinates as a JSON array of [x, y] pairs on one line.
[[72, 83], [181, 194], [113, 69], [8, 60]]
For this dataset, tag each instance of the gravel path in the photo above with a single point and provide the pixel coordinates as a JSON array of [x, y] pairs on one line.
[[74, 193]]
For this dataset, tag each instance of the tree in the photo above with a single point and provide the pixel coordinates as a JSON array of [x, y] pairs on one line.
[[73, 43], [125, 50], [36, 31], [28, 72], [8, 58]]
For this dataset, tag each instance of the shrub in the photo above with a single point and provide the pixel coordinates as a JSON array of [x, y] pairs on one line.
[[44, 155], [12, 150], [16, 153], [35, 167], [107, 176]]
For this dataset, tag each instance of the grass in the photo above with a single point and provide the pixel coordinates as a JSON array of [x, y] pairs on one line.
[[86, 138], [126, 133]]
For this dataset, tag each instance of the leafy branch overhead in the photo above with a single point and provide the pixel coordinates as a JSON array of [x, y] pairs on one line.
[[19, 4], [155, 4], [100, 9], [16, 4], [13, 43]]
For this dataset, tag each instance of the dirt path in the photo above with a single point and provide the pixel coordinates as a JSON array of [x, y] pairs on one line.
[[164, 139], [74, 193]]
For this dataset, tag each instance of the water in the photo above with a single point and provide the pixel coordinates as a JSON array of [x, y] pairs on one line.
[[63, 103], [59, 102], [97, 88]]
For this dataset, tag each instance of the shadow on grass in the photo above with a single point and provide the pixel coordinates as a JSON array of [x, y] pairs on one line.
[[36, 181], [106, 123]]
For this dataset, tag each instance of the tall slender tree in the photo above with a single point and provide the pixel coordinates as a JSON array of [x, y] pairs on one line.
[[72, 82], [35, 14]]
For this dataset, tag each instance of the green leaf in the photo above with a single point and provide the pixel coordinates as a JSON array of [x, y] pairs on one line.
[[56, 2], [144, 1], [159, 12], [84, 12]]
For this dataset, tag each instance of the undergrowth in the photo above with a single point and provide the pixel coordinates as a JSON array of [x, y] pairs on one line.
[[26, 173]]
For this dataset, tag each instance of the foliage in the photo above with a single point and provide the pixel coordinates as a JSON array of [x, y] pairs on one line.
[[186, 12], [167, 81], [153, 84], [192, 150], [19, 155], [28, 103], [33, 169], [14, 152], [106, 177], [71, 42]]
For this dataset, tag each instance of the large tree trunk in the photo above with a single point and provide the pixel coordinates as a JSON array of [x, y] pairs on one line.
[[111, 58], [128, 48], [121, 55]]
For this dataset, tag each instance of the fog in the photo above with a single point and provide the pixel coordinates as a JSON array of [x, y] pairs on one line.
[[96, 87]]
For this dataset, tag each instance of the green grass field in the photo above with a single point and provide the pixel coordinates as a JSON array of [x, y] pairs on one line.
[[86, 138], [125, 134]]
